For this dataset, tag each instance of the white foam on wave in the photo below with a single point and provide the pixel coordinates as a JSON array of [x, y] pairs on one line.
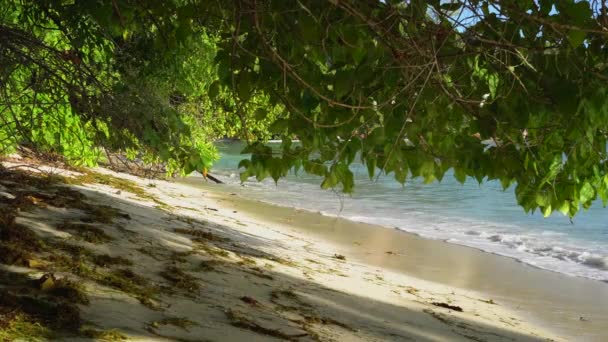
[[547, 249]]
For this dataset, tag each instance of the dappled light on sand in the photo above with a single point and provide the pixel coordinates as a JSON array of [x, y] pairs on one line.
[[196, 273]]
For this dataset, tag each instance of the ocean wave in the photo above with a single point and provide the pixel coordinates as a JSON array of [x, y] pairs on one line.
[[595, 261], [544, 248], [542, 245]]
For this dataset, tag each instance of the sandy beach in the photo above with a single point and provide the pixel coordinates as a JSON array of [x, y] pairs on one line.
[[203, 264]]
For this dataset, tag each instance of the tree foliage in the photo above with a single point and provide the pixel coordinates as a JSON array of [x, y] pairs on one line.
[[509, 90]]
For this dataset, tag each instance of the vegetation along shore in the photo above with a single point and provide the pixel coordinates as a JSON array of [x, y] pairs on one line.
[[124, 217]]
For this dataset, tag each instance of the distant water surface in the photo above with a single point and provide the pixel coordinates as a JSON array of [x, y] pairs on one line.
[[483, 217]]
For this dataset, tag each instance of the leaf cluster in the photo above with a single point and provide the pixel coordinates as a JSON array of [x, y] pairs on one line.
[[514, 91]]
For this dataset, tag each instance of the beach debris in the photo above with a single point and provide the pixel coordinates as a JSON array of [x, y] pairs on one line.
[[251, 301], [282, 261], [438, 316], [104, 335], [152, 252], [265, 324], [288, 300], [63, 288], [180, 279], [211, 249], [86, 232], [448, 306], [339, 257], [246, 261], [258, 272], [105, 260], [489, 301], [30, 312], [17, 242], [208, 265], [180, 322], [46, 282], [195, 232]]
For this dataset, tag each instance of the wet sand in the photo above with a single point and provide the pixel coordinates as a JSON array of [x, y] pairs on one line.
[[573, 307]]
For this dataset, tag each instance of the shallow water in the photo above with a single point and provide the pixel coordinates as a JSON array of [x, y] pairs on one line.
[[483, 217]]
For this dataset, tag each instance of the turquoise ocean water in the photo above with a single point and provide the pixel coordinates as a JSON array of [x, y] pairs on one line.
[[483, 217]]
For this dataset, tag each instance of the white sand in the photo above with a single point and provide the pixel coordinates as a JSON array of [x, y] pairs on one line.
[[265, 280]]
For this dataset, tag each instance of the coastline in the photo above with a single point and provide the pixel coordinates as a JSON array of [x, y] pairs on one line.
[[572, 306], [218, 267]]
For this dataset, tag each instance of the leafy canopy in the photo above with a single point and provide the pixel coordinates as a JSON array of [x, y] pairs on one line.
[[509, 90]]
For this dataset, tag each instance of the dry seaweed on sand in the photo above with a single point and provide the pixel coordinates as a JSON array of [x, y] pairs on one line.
[[200, 235], [38, 309], [180, 322], [448, 306], [208, 265], [86, 232], [250, 300], [17, 242], [130, 283], [16, 326], [56, 315], [104, 335], [240, 320], [121, 184], [62, 288], [211, 249], [105, 260], [180, 279]]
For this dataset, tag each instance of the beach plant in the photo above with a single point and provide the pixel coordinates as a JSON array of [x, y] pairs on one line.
[[513, 91]]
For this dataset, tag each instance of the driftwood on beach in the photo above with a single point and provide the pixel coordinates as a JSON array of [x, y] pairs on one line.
[[120, 163], [209, 176]]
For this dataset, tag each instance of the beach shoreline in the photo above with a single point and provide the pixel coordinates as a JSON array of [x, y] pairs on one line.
[[558, 307], [219, 267]]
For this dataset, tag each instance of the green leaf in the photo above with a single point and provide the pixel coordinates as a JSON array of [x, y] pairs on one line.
[[576, 38], [547, 211], [315, 167], [460, 175], [244, 86], [564, 208], [543, 199], [348, 180], [330, 181], [275, 168], [214, 90], [401, 175], [505, 182], [260, 114], [578, 12], [245, 163], [451, 6], [244, 176], [587, 192], [493, 84], [343, 83], [371, 167]]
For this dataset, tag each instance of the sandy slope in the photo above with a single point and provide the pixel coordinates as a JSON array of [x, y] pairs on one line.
[[222, 275]]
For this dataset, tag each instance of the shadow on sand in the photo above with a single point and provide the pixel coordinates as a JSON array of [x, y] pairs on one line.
[[159, 275]]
